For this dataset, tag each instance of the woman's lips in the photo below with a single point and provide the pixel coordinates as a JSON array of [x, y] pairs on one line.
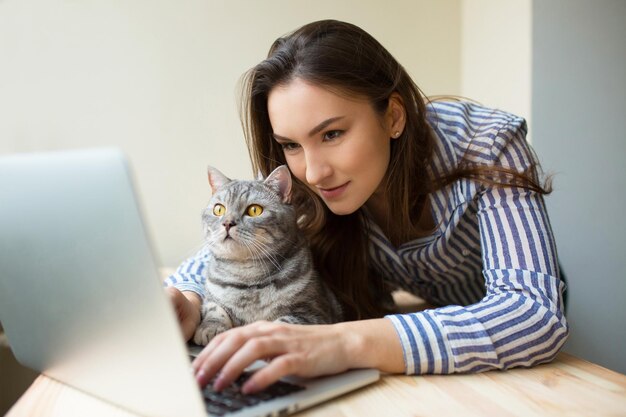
[[333, 193]]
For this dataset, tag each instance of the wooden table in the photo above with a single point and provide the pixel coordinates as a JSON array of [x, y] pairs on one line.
[[566, 387]]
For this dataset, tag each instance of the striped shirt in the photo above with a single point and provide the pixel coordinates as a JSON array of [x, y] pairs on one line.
[[491, 262]]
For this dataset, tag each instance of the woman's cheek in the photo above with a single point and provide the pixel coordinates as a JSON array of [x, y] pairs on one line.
[[296, 167]]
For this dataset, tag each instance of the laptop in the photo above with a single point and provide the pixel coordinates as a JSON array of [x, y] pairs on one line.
[[82, 301]]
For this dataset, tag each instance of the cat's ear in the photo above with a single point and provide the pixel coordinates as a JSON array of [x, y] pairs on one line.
[[280, 180], [216, 178]]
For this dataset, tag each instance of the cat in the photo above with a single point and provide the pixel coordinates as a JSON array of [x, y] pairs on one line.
[[259, 265]]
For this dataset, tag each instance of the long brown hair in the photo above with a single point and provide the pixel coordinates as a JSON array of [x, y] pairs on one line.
[[347, 60]]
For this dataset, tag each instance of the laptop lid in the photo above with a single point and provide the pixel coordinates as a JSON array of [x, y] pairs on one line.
[[80, 295]]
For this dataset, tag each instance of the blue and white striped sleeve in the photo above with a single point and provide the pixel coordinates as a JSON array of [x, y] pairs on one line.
[[520, 321], [189, 276]]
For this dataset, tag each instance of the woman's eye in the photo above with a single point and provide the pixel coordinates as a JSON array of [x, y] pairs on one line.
[[289, 146], [254, 210], [219, 210], [332, 134]]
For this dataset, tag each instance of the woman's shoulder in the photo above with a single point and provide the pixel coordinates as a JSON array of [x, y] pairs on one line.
[[468, 129], [471, 119]]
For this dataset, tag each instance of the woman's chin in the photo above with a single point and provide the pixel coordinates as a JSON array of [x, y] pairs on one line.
[[341, 209]]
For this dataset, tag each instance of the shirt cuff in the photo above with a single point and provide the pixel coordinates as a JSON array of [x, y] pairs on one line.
[[423, 342]]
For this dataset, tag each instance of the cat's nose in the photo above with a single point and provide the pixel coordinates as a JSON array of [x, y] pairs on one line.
[[228, 224]]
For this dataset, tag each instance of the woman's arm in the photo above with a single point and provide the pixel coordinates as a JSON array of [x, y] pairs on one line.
[[187, 305], [302, 350], [189, 276], [520, 321], [185, 287]]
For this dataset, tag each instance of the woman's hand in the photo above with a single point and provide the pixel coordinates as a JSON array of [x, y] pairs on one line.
[[187, 305], [301, 350]]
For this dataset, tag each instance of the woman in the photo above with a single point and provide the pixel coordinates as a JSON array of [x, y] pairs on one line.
[[441, 199]]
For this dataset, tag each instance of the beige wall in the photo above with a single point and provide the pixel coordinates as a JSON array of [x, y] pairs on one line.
[[157, 78], [496, 56]]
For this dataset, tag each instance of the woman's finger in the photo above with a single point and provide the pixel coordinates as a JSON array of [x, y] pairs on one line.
[[216, 355], [206, 351], [221, 348], [200, 363], [281, 366], [254, 349]]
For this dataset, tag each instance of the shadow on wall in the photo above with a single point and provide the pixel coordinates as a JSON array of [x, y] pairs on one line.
[[14, 378]]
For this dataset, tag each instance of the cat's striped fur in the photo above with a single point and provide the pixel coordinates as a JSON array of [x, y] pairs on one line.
[[259, 267]]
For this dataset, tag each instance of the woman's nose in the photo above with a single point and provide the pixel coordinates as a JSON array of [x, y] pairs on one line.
[[317, 168]]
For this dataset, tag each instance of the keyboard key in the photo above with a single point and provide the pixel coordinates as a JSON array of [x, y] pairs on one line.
[[231, 399]]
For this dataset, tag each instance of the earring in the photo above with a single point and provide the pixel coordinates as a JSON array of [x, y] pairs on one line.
[[396, 134]]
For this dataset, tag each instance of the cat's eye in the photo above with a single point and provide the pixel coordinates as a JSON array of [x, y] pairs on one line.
[[254, 210], [219, 210]]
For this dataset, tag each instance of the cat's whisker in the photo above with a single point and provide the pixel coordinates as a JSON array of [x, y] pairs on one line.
[[258, 250], [260, 254], [262, 241], [267, 253], [255, 254], [211, 241]]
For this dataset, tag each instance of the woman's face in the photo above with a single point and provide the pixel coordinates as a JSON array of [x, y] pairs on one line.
[[338, 146]]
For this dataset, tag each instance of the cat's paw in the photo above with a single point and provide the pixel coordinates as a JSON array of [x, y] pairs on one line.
[[204, 334], [215, 320]]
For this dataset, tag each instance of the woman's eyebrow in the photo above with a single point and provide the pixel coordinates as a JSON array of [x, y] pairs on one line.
[[313, 131], [322, 125], [281, 138]]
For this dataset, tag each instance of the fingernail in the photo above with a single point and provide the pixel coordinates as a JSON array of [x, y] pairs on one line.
[[220, 383], [200, 376], [249, 387]]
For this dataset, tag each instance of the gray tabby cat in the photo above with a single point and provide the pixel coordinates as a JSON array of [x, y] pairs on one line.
[[259, 266]]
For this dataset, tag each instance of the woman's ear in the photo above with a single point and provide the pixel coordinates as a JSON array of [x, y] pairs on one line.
[[396, 115]]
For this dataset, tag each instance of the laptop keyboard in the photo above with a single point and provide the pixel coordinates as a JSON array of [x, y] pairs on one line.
[[231, 399]]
